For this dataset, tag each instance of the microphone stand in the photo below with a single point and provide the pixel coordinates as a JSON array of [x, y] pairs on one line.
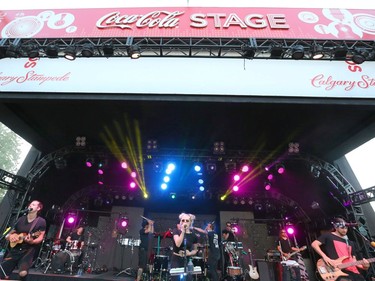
[[185, 257]]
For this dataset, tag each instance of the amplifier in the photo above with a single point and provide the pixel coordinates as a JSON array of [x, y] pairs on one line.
[[273, 256]]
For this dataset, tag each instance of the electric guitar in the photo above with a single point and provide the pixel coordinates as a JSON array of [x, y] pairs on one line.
[[253, 273], [285, 258], [22, 236], [329, 273]]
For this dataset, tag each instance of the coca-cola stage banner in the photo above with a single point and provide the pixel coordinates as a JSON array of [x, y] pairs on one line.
[[295, 23], [186, 76]]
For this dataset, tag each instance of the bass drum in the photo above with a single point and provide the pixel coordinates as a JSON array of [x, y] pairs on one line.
[[62, 261]]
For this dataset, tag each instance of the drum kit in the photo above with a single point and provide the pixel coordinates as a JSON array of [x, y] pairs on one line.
[[61, 256], [234, 270]]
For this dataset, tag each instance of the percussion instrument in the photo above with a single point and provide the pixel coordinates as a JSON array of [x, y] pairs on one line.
[[74, 245], [198, 261], [62, 261], [234, 271], [160, 263]]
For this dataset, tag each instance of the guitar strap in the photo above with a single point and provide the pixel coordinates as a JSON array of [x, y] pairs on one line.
[[33, 225]]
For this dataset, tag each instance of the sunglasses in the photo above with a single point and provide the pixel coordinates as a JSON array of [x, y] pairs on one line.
[[185, 221]]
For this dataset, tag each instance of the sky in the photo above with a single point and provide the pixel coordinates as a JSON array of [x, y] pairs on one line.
[[42, 4]]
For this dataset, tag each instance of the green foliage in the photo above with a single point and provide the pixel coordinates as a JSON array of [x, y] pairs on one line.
[[10, 149]]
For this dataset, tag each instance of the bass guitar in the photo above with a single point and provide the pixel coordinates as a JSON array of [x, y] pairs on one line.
[[253, 273], [22, 236], [285, 258], [329, 273]]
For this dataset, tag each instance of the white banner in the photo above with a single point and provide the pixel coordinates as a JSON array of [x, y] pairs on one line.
[[190, 76]]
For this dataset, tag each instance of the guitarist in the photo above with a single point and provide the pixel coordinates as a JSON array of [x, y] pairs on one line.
[[337, 246], [26, 235], [285, 247]]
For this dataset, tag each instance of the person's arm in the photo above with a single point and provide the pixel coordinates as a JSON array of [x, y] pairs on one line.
[[30, 240], [316, 246], [150, 227], [69, 239], [179, 238], [200, 230], [194, 251]]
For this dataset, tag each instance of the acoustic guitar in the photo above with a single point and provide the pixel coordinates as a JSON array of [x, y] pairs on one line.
[[329, 273], [285, 258], [22, 236], [253, 273]]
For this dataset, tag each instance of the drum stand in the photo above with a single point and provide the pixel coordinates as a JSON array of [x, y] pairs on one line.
[[128, 270]]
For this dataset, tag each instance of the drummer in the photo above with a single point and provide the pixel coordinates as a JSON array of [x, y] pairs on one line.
[[145, 235], [75, 239]]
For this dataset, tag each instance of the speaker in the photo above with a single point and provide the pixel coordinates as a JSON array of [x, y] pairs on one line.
[[267, 270]]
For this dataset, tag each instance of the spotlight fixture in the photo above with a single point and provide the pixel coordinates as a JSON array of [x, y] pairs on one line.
[[359, 56], [211, 168], [3, 51], [219, 147], [70, 53], [317, 52], [87, 50], [134, 51], [152, 145], [107, 49], [340, 52], [267, 185], [298, 51], [32, 51], [52, 51], [277, 52], [13, 51], [248, 52], [280, 168], [315, 170]]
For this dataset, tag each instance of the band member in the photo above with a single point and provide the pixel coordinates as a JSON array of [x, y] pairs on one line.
[[76, 238], [145, 235], [24, 240], [285, 247], [337, 246], [228, 233], [185, 242], [214, 254]]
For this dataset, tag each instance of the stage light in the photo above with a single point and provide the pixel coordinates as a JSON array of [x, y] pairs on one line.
[[245, 168], [70, 53], [89, 162], [315, 170], [211, 168], [248, 52], [289, 229], [197, 167], [107, 49], [71, 218], [258, 207], [219, 147], [242, 202], [235, 188], [317, 52], [277, 52], [359, 56], [13, 50], [123, 222], [340, 53], [173, 195], [270, 177], [171, 166], [164, 186], [298, 52], [52, 51], [280, 168], [32, 51], [152, 145], [166, 179], [201, 181], [267, 185], [293, 147], [124, 165], [132, 184], [134, 51], [230, 166], [201, 188], [236, 177], [158, 167], [60, 163], [133, 174], [80, 141], [100, 172], [87, 50]]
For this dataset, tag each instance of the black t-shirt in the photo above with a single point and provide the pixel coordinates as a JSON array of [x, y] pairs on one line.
[[74, 236], [336, 247], [213, 242], [191, 239], [23, 226], [285, 245], [144, 237]]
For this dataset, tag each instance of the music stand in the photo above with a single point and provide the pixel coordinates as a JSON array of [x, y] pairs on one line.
[[122, 242]]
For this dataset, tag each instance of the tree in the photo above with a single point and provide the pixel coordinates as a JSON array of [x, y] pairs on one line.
[[10, 150]]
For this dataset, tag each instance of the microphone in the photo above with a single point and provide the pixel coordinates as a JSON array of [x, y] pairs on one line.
[[351, 224], [26, 210], [185, 226]]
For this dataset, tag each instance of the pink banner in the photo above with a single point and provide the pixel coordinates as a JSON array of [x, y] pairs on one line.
[[294, 23]]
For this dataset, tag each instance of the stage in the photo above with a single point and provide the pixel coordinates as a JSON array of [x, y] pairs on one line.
[[37, 275]]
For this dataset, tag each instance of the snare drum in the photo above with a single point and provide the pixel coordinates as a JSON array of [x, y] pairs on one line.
[[161, 263], [56, 246], [75, 245], [234, 271]]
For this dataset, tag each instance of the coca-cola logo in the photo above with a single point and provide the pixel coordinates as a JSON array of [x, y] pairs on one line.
[[160, 19]]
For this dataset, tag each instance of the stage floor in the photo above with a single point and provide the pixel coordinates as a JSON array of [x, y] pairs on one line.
[[37, 275]]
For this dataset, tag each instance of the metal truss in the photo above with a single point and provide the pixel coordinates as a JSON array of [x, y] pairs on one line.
[[18, 189], [250, 48], [363, 196]]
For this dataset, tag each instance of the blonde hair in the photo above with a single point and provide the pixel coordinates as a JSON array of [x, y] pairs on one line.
[[191, 216]]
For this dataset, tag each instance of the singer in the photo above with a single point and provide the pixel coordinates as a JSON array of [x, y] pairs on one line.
[[337, 247], [24, 239], [185, 243]]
